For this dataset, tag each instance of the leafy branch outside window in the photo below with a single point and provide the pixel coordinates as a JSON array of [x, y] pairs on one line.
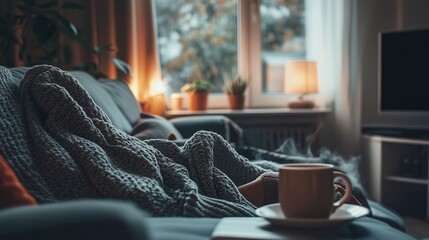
[[197, 39]]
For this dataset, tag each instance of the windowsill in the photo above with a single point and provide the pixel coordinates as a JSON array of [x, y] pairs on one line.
[[251, 112]]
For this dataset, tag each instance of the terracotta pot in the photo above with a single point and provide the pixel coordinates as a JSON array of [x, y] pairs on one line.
[[197, 100], [236, 102]]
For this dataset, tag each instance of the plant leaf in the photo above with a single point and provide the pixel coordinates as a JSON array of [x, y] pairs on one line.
[[109, 47], [29, 2], [72, 28], [43, 27], [47, 5], [96, 49], [121, 65], [73, 5], [68, 27], [81, 40]]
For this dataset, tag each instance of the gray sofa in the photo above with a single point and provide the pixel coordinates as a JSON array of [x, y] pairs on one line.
[[118, 102], [105, 219], [113, 220]]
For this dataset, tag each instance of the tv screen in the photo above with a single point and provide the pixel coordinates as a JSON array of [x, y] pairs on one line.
[[404, 71]]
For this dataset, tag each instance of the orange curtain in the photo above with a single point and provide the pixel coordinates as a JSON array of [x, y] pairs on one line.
[[129, 26], [144, 50]]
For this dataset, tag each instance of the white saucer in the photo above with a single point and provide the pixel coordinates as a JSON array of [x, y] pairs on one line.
[[347, 212]]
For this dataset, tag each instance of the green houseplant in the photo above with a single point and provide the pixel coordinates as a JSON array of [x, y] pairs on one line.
[[197, 92], [36, 30], [235, 90]]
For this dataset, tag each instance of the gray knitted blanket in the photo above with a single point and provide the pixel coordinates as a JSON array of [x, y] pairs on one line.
[[62, 146]]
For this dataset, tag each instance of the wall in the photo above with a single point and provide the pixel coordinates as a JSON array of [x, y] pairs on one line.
[[386, 15]]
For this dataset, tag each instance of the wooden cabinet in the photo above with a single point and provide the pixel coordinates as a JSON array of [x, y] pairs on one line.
[[398, 171]]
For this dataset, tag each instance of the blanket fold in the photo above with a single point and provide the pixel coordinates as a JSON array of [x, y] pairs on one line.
[[74, 151]]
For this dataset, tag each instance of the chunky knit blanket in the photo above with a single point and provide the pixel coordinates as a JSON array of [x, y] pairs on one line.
[[62, 146]]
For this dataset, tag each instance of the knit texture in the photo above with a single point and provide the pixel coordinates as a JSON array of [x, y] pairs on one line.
[[14, 140], [62, 146]]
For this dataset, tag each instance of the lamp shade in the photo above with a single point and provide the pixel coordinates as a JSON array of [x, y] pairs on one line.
[[301, 77]]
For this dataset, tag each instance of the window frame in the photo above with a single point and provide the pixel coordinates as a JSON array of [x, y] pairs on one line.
[[248, 55]]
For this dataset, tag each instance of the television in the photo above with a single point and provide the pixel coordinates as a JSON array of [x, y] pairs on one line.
[[403, 85], [404, 71]]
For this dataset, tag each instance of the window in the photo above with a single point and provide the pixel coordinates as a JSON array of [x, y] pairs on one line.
[[282, 28], [216, 39], [197, 40]]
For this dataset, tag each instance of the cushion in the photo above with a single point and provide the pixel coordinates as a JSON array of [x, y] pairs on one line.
[[18, 74], [155, 128], [123, 98], [12, 193], [104, 100]]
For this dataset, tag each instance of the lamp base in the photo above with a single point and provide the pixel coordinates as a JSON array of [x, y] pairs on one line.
[[301, 104]]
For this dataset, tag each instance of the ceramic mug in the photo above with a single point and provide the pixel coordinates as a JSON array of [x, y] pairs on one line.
[[307, 190]]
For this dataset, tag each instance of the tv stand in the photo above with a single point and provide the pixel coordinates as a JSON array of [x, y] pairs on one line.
[[398, 173], [395, 131]]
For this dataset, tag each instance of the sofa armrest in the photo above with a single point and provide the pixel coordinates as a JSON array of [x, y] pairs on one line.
[[386, 215], [83, 219], [219, 124]]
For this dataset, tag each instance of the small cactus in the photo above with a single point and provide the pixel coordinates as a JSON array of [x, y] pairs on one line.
[[236, 87]]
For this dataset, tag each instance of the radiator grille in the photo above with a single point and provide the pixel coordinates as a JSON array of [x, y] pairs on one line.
[[271, 137]]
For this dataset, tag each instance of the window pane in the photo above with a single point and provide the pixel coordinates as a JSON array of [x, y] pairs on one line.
[[282, 39], [197, 39]]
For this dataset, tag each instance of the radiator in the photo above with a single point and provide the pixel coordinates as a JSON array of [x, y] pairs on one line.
[[271, 137]]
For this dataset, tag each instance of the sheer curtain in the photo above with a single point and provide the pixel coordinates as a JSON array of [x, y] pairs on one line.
[[331, 33]]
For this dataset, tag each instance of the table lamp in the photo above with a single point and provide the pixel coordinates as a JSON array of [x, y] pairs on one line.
[[156, 103], [301, 77]]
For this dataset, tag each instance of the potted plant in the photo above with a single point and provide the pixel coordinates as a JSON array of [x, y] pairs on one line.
[[36, 28], [235, 90], [197, 92]]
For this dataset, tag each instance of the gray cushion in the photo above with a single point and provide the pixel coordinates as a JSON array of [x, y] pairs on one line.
[[104, 100], [123, 98], [18, 74]]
